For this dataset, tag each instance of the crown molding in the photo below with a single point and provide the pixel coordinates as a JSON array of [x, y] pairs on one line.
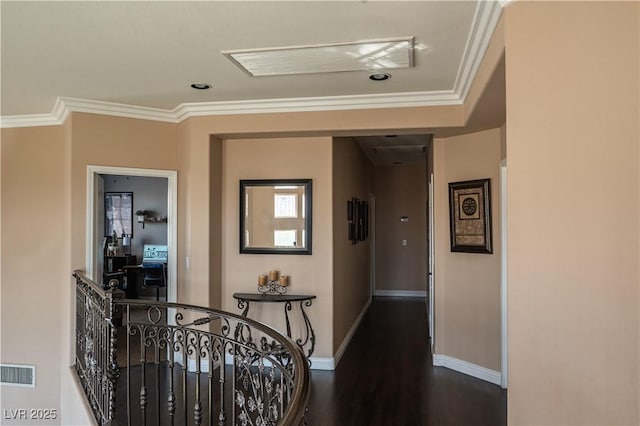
[[119, 110], [184, 111], [324, 103], [484, 24], [486, 18], [55, 118]]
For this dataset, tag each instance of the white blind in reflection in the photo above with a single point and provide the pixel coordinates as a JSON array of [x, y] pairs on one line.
[[285, 205]]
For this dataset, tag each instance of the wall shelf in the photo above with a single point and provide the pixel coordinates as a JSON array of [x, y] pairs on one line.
[[153, 220]]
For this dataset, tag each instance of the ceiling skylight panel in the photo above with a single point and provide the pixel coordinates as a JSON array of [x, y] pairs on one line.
[[339, 57]]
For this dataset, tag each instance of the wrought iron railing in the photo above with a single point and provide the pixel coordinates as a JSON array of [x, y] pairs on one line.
[[143, 362]]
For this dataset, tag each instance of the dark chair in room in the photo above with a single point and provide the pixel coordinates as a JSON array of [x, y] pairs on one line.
[[154, 276], [115, 275]]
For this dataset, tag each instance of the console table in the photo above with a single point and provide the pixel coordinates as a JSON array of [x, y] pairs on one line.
[[245, 299]]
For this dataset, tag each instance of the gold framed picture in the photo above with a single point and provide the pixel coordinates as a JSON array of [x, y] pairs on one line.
[[470, 216]]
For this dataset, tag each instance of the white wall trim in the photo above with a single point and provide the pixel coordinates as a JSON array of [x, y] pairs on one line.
[[347, 339], [322, 363], [486, 18], [468, 368], [399, 293], [172, 215], [120, 110], [55, 118], [191, 363], [187, 110], [317, 363], [504, 355], [484, 23]]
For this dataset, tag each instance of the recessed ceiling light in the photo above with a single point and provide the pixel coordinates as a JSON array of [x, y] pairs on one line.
[[200, 86], [379, 76]]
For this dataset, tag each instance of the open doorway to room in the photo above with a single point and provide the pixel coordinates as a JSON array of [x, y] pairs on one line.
[[131, 230], [400, 255]]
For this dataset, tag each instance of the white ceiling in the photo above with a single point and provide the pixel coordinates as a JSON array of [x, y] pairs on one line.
[[147, 53]]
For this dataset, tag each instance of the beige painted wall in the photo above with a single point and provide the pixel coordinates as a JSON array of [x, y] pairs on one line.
[[215, 223], [352, 177], [572, 128], [401, 191], [281, 158], [35, 256], [467, 285], [573, 136]]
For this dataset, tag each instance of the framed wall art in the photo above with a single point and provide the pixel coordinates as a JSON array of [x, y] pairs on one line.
[[470, 216], [358, 220], [118, 216]]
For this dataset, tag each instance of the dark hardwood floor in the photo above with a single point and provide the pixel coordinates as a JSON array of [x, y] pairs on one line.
[[386, 377]]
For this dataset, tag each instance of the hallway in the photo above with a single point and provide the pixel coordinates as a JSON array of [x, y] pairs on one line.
[[386, 378]]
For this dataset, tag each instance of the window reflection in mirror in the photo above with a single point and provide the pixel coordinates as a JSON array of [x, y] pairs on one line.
[[273, 216]]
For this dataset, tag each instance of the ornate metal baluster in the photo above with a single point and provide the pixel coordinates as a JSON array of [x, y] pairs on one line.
[[234, 379], [157, 367], [185, 364], [129, 366], [210, 382], [171, 401], [197, 406], [112, 371], [222, 417], [143, 373]]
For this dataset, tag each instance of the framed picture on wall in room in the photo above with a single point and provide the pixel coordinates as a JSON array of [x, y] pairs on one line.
[[118, 214], [357, 220], [470, 216]]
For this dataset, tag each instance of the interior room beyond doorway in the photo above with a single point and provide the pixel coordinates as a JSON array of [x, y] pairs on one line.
[[135, 208]]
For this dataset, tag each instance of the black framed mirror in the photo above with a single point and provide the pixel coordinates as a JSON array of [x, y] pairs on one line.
[[275, 216]]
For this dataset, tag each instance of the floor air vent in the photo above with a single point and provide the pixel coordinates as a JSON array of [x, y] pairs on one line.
[[18, 375]]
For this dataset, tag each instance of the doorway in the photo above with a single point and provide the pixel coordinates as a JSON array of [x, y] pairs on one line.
[[96, 186]]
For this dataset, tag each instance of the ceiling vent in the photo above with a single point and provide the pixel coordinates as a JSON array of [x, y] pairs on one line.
[[404, 149], [367, 55]]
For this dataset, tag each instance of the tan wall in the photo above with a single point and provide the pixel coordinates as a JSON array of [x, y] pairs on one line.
[[35, 257], [572, 128], [215, 224], [352, 177], [199, 156], [295, 158], [401, 191], [573, 193], [467, 285]]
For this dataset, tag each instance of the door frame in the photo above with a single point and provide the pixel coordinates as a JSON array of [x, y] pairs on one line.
[[431, 257], [93, 173], [503, 274]]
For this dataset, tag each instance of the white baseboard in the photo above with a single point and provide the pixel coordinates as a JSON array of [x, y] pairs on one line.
[[191, 363], [317, 363], [399, 293], [347, 339], [468, 368], [320, 363]]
